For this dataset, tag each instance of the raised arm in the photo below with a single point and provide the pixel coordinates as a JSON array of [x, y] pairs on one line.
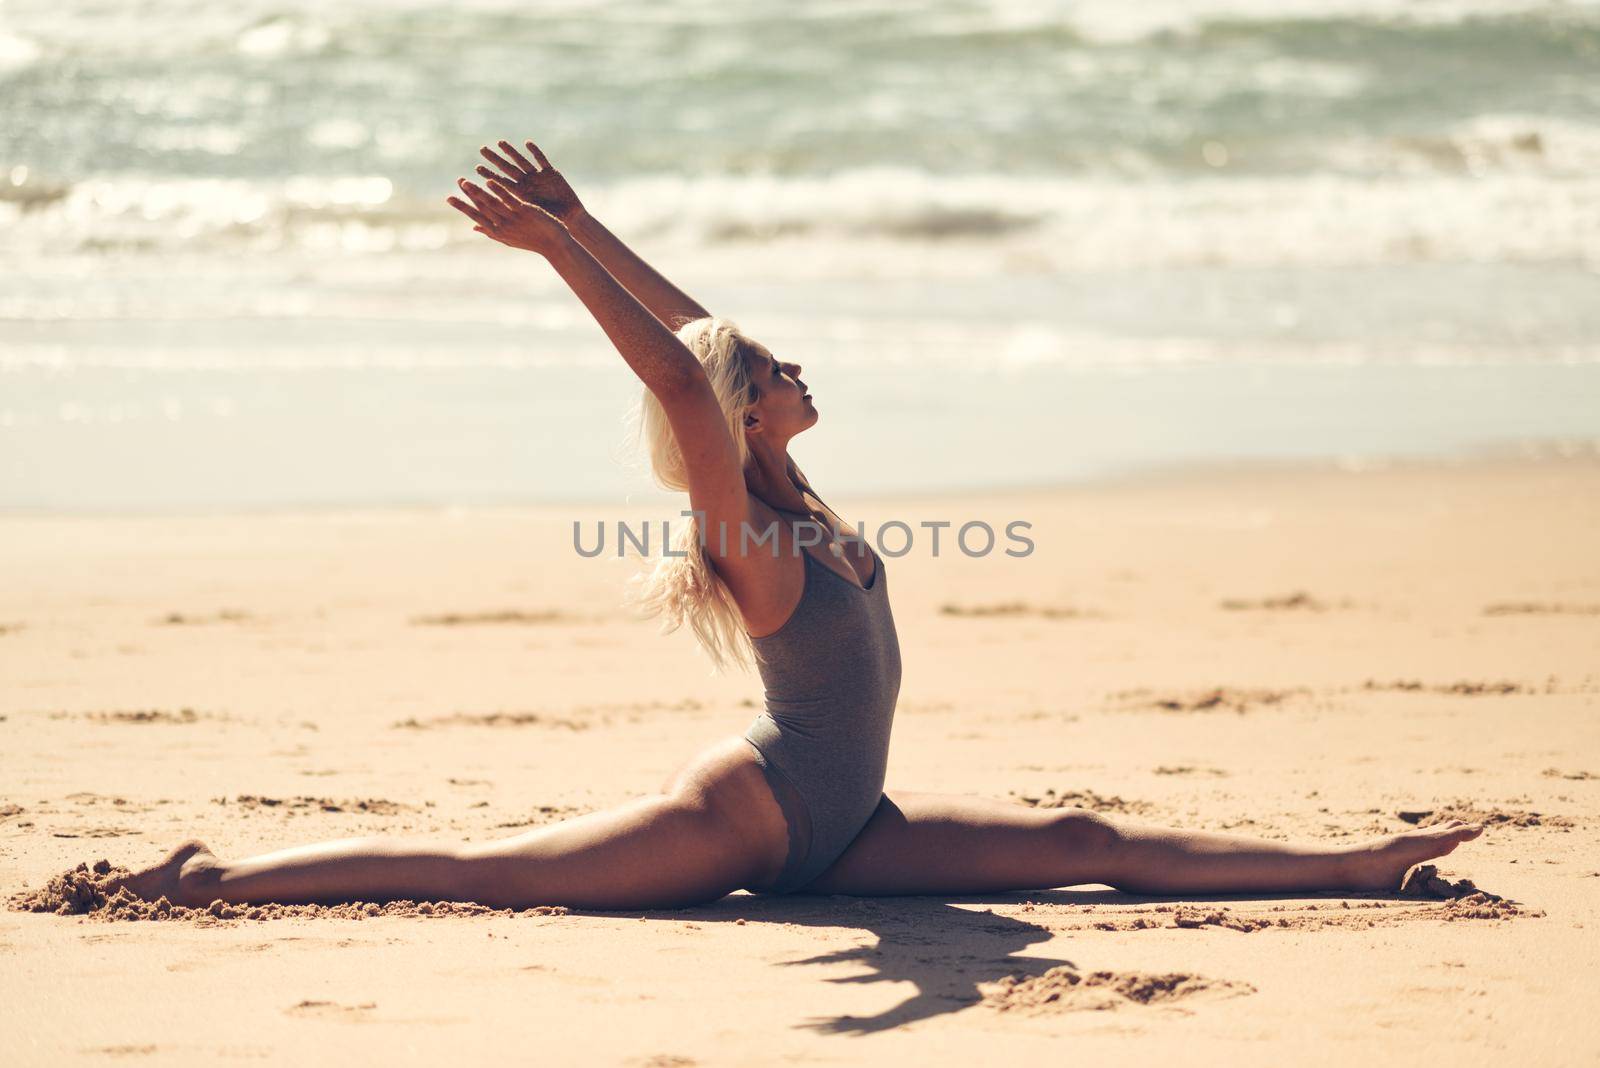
[[662, 362], [540, 184]]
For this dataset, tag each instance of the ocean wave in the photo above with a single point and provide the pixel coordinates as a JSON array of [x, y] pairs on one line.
[[286, 28], [1015, 348], [267, 88], [1501, 190]]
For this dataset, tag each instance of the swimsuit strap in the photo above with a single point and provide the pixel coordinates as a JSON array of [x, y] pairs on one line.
[[808, 515], [877, 561]]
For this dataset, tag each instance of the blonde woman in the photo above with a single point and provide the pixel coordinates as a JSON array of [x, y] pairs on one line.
[[796, 803]]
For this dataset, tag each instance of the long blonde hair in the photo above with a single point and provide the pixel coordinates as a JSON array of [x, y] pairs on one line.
[[685, 588]]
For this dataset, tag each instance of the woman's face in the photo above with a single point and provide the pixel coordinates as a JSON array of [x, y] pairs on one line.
[[783, 408]]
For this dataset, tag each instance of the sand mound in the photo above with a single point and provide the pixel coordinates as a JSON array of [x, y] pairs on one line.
[[1470, 812], [1425, 881], [84, 891], [1062, 989], [376, 806], [1424, 905], [1463, 900], [1084, 799], [1221, 918], [1482, 906]]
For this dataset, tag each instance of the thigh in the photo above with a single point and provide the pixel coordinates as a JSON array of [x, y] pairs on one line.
[[921, 843], [702, 840], [653, 852], [727, 778]]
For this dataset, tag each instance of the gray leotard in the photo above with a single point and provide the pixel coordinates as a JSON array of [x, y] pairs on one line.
[[832, 674]]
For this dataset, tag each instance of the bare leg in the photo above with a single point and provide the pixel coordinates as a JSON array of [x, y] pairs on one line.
[[947, 844], [1154, 860], [702, 841]]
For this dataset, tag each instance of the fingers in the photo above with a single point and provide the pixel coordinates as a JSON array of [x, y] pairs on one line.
[[511, 169], [511, 150], [487, 175], [537, 155], [470, 212], [497, 210], [512, 201]]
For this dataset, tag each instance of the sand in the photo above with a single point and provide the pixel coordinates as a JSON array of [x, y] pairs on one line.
[[1295, 652]]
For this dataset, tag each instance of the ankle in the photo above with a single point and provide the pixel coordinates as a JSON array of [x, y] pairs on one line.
[[1358, 867], [199, 879]]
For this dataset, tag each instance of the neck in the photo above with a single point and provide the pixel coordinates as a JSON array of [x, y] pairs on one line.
[[770, 475]]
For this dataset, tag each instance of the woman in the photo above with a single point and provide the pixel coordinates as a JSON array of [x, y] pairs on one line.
[[797, 803]]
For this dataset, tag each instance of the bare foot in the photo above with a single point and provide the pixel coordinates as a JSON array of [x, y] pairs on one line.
[[1383, 862], [182, 878]]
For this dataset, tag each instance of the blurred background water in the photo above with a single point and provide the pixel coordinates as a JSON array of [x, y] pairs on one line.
[[1011, 243]]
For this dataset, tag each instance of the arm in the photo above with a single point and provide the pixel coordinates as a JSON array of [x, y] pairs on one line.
[[662, 362], [540, 184]]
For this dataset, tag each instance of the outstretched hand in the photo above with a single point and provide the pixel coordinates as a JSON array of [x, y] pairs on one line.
[[501, 216], [537, 182]]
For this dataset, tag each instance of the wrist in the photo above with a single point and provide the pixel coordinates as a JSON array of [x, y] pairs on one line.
[[563, 249], [579, 222]]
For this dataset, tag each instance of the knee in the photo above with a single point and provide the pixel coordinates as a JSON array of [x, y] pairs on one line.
[[1081, 833]]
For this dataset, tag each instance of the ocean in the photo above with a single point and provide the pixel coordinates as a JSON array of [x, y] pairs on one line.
[[1010, 243]]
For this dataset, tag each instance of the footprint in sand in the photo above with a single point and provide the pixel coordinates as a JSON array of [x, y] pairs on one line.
[[1216, 699], [1299, 600], [1464, 687], [1536, 608], [1574, 776], [332, 1010], [492, 719], [147, 715], [544, 814], [498, 617], [193, 619], [1015, 609]]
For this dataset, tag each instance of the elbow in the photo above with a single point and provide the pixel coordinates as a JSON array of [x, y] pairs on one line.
[[679, 380]]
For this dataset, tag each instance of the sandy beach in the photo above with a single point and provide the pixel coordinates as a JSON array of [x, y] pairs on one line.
[[1300, 652]]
